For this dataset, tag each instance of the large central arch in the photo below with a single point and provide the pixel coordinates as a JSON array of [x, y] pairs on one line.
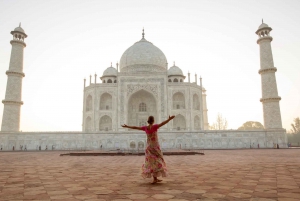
[[141, 104]]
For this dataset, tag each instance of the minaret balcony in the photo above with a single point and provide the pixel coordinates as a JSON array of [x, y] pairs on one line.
[[15, 73], [12, 102], [274, 99], [269, 38], [267, 70], [18, 42]]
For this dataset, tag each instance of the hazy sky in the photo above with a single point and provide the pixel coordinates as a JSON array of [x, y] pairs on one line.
[[69, 40]]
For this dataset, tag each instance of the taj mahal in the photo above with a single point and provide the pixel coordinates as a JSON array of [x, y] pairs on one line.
[[142, 84]]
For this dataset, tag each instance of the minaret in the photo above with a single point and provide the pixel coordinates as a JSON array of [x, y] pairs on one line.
[[270, 98], [204, 106], [12, 102]]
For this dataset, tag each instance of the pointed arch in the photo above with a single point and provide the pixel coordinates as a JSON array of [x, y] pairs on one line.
[[105, 101], [175, 80], [178, 101], [141, 145], [105, 123], [179, 122], [141, 104], [109, 81], [132, 145]]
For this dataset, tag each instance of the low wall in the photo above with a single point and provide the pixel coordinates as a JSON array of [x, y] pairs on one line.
[[134, 140]]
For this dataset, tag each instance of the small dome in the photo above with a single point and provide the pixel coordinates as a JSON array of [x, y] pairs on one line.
[[110, 71], [175, 70], [19, 29], [263, 25]]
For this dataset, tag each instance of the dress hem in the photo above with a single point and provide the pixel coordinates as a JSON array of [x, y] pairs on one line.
[[155, 174]]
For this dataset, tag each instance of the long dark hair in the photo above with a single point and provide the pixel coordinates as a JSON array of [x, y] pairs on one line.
[[150, 120]]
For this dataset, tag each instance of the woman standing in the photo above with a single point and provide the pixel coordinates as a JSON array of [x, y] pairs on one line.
[[154, 165]]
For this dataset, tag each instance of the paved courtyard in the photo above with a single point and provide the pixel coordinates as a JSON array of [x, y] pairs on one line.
[[257, 175]]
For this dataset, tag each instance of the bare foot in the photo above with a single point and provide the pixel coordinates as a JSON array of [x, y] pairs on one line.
[[154, 181]]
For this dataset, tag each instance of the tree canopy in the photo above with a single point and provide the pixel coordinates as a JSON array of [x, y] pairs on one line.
[[294, 133], [296, 126], [251, 125], [220, 124]]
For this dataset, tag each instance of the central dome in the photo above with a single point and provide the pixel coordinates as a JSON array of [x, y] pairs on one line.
[[143, 56]]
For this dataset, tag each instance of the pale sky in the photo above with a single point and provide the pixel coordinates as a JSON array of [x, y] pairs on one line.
[[69, 40]]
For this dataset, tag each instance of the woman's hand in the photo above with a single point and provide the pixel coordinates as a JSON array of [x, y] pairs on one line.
[[124, 126], [171, 117]]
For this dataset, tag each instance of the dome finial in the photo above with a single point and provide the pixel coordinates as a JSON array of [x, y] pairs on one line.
[[143, 34], [173, 63], [20, 24], [262, 20], [110, 64]]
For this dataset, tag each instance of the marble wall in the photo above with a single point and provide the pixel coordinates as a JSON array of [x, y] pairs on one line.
[[133, 140]]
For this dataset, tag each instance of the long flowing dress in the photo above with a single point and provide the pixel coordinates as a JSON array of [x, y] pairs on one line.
[[154, 162]]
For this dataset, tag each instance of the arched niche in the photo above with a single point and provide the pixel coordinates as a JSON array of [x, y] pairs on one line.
[[132, 145], [141, 145], [178, 101], [88, 124], [89, 103], [170, 80], [197, 123], [179, 122], [109, 81], [105, 102], [141, 105], [196, 102], [105, 123], [175, 80]]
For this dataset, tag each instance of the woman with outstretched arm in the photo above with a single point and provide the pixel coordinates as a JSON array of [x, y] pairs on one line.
[[154, 165]]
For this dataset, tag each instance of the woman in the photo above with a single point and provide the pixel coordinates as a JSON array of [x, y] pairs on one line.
[[155, 165]]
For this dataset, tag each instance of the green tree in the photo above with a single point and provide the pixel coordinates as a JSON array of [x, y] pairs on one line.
[[296, 126], [220, 124], [294, 133], [251, 125]]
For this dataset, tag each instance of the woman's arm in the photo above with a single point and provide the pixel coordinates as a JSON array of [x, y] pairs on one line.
[[132, 127], [166, 121]]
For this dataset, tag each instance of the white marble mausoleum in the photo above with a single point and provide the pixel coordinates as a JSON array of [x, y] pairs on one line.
[[144, 85]]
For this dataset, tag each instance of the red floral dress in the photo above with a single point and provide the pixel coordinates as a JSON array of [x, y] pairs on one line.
[[154, 161]]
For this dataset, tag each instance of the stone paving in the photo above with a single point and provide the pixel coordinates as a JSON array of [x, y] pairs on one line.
[[256, 175]]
